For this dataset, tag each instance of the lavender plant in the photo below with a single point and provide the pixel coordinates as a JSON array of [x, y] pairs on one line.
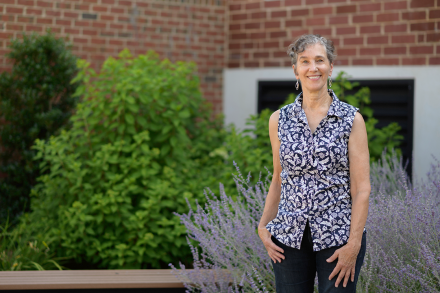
[[226, 232], [403, 236], [403, 227]]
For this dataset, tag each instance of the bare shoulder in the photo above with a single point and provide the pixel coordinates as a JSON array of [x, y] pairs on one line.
[[274, 117], [358, 124]]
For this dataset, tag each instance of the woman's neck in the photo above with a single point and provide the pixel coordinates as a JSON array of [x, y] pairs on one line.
[[316, 100]]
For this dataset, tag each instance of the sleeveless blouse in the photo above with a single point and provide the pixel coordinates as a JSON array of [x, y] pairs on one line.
[[315, 176]]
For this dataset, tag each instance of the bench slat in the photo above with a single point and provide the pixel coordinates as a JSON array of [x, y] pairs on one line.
[[93, 279]]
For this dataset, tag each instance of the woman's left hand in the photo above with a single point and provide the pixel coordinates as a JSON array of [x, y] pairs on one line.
[[346, 256]]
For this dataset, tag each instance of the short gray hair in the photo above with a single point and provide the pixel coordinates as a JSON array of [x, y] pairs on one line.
[[306, 40]]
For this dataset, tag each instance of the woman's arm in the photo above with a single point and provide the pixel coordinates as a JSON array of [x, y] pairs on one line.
[[273, 197], [360, 188]]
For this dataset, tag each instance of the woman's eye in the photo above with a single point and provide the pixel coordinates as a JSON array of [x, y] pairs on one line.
[[320, 60], [304, 61]]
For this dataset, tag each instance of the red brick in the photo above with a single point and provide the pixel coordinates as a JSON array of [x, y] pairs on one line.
[[434, 13], [378, 40], [239, 36], [299, 12], [14, 10], [99, 8], [370, 29], [251, 64], [44, 20], [278, 54], [279, 34], [292, 2], [421, 38], [340, 62], [7, 1], [34, 11], [232, 27], [99, 24], [422, 3], [257, 36], [322, 31], [25, 19], [233, 7], [434, 37], [345, 30], [53, 13], [44, 3], [337, 1], [346, 9], [63, 22], [414, 61], [279, 13], [294, 23], [71, 14], [272, 24], [394, 51], [427, 26], [271, 64], [396, 28], [80, 40], [258, 15], [370, 7], [33, 28], [107, 17], [338, 20], [421, 50], [312, 2], [116, 26], [14, 27], [403, 39], [272, 4], [315, 21], [261, 55], [323, 10], [296, 33], [270, 45], [347, 52], [251, 25], [362, 62], [90, 32], [387, 17], [387, 61], [415, 15], [241, 16], [250, 6], [396, 5], [121, 10], [73, 31], [370, 51], [434, 61], [354, 41], [112, 2], [362, 18]]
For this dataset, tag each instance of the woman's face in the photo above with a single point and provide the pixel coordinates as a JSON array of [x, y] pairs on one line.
[[313, 68]]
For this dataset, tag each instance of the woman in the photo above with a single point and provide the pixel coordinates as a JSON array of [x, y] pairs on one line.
[[317, 205]]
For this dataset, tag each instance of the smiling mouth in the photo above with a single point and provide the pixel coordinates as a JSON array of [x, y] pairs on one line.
[[314, 77]]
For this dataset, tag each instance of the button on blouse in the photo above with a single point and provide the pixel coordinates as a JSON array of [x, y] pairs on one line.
[[315, 176]]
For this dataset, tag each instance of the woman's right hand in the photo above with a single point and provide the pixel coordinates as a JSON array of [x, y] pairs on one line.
[[275, 252]]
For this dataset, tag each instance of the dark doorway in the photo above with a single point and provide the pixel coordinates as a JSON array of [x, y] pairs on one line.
[[391, 101]]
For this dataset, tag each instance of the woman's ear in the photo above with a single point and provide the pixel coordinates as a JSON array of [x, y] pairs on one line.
[[294, 71]]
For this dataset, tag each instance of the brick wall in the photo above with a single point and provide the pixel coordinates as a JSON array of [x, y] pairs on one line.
[[376, 32], [190, 30]]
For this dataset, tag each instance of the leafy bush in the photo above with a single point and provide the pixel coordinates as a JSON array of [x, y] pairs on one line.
[[19, 251], [132, 158], [403, 237], [35, 101]]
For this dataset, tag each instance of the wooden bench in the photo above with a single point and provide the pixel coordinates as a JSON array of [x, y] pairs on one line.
[[155, 280]]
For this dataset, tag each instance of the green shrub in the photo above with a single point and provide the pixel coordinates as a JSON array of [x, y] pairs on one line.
[[35, 101], [20, 251], [132, 158]]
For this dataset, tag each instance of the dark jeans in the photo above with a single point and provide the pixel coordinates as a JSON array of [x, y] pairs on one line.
[[296, 273]]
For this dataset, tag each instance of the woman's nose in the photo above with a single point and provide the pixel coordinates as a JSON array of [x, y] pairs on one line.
[[312, 66]]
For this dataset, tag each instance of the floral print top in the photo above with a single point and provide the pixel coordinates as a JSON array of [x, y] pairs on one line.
[[315, 176]]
